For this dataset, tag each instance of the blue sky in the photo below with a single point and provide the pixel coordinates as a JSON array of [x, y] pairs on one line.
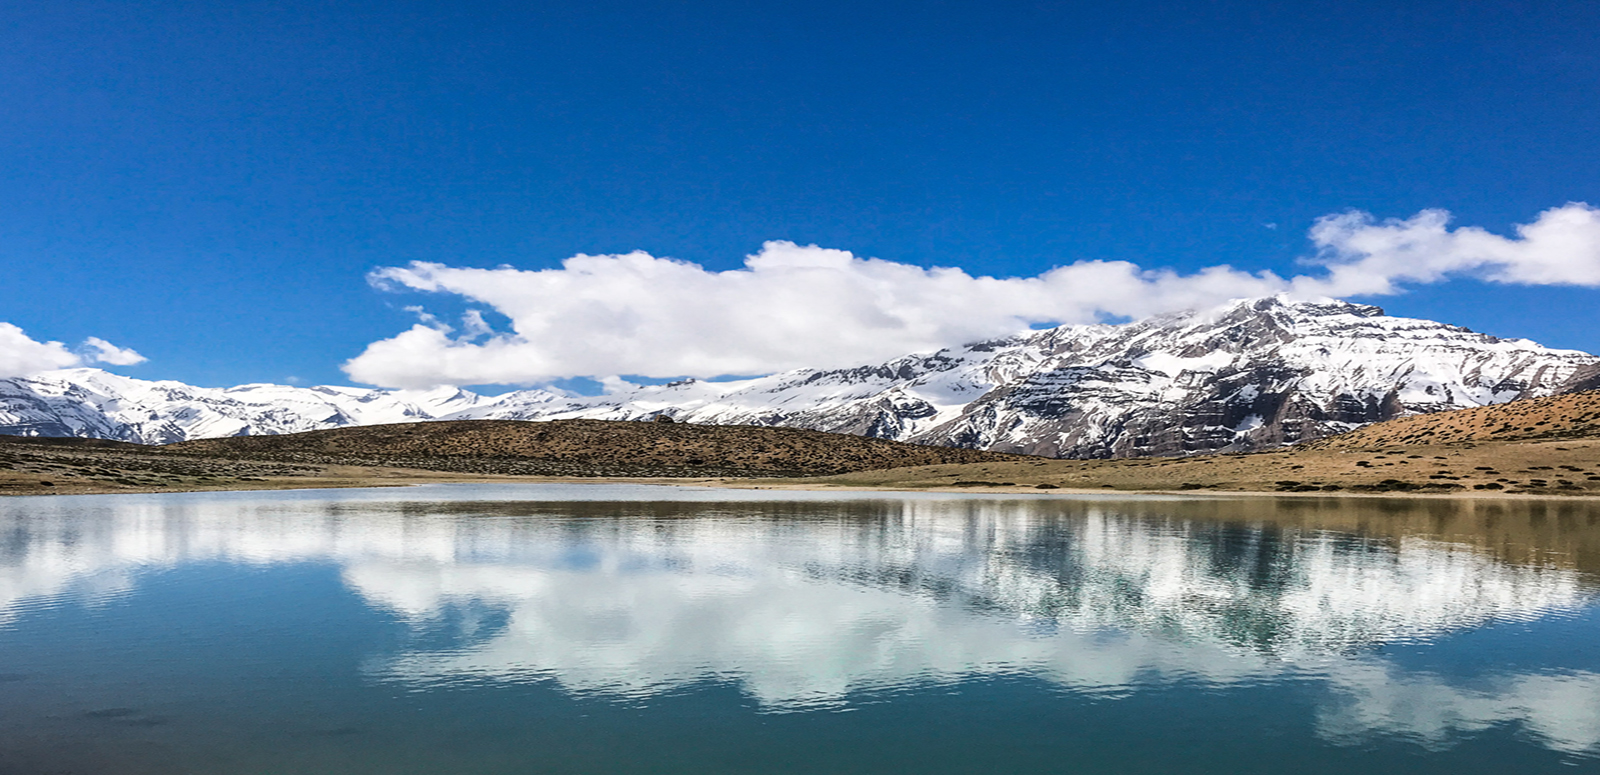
[[211, 184]]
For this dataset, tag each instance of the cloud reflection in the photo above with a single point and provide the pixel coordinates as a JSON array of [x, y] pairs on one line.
[[805, 606], [1560, 709]]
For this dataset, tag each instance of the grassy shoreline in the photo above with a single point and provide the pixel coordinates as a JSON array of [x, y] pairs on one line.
[[1565, 468], [378, 478]]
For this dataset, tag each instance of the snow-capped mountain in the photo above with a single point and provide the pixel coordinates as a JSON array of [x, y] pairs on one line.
[[94, 403], [1248, 375]]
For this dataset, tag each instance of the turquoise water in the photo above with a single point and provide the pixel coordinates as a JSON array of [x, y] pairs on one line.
[[632, 629]]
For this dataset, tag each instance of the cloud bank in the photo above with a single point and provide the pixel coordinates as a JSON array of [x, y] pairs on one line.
[[793, 306], [21, 354]]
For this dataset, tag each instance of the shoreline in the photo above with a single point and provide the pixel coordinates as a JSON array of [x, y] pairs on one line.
[[1543, 470], [413, 477]]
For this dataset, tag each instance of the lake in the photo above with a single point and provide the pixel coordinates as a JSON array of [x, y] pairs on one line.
[[634, 629]]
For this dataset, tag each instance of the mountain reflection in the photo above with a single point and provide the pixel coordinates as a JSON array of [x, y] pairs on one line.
[[809, 603]]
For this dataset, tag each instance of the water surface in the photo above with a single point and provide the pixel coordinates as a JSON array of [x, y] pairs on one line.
[[631, 629]]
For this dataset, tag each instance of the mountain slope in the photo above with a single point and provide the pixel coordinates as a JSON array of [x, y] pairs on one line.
[[1250, 375], [93, 403], [1253, 374]]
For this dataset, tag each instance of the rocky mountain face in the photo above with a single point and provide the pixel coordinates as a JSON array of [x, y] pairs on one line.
[[1248, 375], [1586, 378]]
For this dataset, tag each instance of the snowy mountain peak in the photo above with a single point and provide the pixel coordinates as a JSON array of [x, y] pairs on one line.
[[1249, 374]]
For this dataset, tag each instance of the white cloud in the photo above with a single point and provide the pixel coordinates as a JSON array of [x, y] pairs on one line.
[[1363, 256], [790, 306], [21, 354], [793, 306], [101, 351]]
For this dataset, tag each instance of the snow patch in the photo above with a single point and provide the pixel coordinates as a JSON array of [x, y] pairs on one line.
[[1172, 365]]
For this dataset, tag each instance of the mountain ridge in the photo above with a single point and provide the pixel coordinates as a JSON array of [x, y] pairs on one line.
[[1249, 375]]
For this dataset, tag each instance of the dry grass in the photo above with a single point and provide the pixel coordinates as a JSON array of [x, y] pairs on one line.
[[1539, 468], [476, 450], [587, 448], [1547, 446], [67, 466], [1570, 416], [1540, 447]]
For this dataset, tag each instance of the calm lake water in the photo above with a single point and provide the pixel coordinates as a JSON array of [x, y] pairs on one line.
[[632, 629]]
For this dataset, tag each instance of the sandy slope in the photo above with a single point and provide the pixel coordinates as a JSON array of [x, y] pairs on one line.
[[1536, 468], [1569, 416]]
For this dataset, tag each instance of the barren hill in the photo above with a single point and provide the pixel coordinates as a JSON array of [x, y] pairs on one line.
[[586, 448], [1570, 416], [1543, 446]]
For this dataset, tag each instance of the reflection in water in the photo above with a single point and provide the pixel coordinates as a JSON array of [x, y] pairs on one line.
[[1563, 710], [809, 603]]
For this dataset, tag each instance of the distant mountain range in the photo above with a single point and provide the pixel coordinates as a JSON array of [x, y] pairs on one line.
[[1251, 374]]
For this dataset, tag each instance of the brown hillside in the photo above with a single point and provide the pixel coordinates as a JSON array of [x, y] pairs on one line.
[[1570, 416], [586, 448], [68, 442], [33, 466], [1544, 468], [1543, 447]]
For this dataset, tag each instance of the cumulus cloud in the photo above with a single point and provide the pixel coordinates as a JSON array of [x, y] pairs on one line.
[[99, 350], [792, 306], [1363, 256], [21, 354]]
